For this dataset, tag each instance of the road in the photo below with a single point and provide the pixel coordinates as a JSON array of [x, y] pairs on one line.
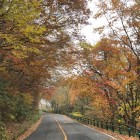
[[60, 127]]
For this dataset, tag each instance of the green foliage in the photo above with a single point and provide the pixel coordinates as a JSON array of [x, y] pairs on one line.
[[22, 110], [3, 134], [6, 103], [14, 107]]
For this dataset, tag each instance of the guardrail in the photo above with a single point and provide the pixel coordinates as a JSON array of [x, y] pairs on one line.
[[115, 127]]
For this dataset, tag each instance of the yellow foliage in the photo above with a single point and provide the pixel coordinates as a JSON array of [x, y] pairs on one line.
[[28, 99]]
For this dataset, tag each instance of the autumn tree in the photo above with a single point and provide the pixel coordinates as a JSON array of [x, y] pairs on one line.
[[123, 26], [34, 38], [87, 98], [42, 35], [115, 72], [61, 98], [122, 22]]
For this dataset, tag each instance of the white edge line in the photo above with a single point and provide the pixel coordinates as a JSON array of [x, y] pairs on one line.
[[98, 131], [94, 129]]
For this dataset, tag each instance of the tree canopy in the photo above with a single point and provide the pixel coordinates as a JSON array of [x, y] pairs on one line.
[[37, 39]]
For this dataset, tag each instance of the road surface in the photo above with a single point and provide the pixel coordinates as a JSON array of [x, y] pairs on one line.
[[60, 127]]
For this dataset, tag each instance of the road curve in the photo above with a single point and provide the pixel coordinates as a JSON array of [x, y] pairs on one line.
[[60, 127]]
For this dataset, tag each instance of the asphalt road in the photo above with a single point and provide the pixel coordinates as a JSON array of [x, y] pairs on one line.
[[60, 127]]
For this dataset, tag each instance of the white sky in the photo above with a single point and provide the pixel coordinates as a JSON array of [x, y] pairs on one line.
[[88, 30]]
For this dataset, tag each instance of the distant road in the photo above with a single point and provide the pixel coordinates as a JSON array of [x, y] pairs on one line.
[[60, 127]]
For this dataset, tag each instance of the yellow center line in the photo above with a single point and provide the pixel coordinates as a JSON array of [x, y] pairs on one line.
[[65, 136]]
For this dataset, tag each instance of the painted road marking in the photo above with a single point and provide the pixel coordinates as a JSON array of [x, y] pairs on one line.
[[68, 122], [65, 136]]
